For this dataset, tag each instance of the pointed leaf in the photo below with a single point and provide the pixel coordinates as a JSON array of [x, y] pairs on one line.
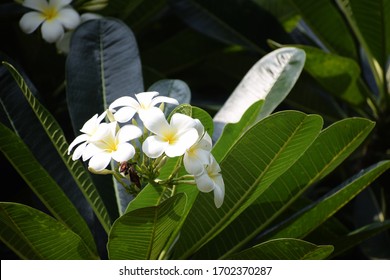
[[33, 234], [143, 233], [47, 190], [285, 249], [271, 78], [54, 131], [328, 25], [312, 216], [329, 150], [262, 154]]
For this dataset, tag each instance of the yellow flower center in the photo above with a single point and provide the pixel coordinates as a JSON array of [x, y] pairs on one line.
[[50, 13], [170, 137]]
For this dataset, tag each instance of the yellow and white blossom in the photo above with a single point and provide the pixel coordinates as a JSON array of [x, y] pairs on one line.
[[144, 102], [114, 145], [173, 138], [93, 130], [54, 17]]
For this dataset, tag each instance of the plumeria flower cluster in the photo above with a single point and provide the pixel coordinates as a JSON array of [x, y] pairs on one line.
[[139, 153], [57, 19]]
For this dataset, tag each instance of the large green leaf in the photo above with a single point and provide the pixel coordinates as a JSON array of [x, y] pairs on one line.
[[233, 131], [285, 249], [309, 218], [43, 185], [56, 136], [370, 21], [330, 148], [108, 49], [34, 235], [18, 115], [262, 154], [328, 25], [337, 74], [271, 78], [144, 232]]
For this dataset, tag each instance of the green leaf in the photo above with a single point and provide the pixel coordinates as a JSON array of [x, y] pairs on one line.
[[356, 237], [233, 131], [18, 115], [333, 145], [271, 78], [142, 234], [285, 249], [306, 220], [370, 21], [262, 154], [47, 190], [57, 137], [328, 25], [337, 74], [35, 235]]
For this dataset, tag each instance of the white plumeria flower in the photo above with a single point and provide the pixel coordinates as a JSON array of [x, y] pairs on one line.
[[173, 138], [145, 102], [211, 180], [93, 130], [198, 155], [114, 145], [55, 16]]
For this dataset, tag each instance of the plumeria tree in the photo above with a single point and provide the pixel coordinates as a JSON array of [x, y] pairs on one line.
[[146, 175]]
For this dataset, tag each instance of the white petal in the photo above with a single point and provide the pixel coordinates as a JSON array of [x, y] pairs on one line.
[[153, 146], [78, 152], [38, 5], [52, 31], [128, 132], [192, 165], [164, 99], [100, 132], [90, 151], [154, 120], [219, 192], [100, 161], [145, 98], [125, 114], [124, 152], [77, 140], [184, 141], [125, 101], [206, 142], [63, 44], [69, 18], [30, 21], [182, 122], [204, 182]]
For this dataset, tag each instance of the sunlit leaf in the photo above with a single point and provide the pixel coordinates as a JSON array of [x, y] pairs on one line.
[[144, 232], [34, 235]]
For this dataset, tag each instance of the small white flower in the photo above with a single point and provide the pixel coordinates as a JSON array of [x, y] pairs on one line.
[[198, 155], [55, 16], [173, 139], [92, 130], [145, 102], [211, 180], [114, 145]]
